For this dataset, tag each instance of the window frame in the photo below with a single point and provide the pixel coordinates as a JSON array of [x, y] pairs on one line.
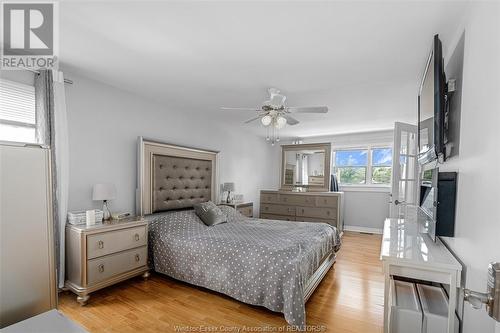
[[369, 167], [21, 124]]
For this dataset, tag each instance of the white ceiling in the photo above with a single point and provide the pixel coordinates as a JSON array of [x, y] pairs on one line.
[[362, 59]]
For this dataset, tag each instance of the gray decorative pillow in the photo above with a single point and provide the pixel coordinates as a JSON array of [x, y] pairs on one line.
[[209, 213]]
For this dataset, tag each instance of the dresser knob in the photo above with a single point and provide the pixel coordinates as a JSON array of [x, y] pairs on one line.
[[136, 237], [101, 268], [100, 244], [137, 257]]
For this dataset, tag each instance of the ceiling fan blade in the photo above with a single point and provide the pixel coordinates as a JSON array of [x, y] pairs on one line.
[[252, 119], [290, 120], [241, 109], [308, 109]]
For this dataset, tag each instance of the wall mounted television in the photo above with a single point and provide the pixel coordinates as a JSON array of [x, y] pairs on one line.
[[432, 106]]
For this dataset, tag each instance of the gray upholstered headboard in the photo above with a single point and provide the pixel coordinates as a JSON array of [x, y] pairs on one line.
[[174, 177]]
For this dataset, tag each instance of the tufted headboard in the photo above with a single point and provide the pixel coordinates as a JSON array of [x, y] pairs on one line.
[[174, 177]]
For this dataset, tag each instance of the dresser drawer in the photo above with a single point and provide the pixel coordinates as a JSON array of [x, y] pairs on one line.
[[322, 213], [114, 241], [326, 201], [332, 221], [278, 209], [103, 268], [277, 217], [269, 197], [298, 200], [247, 210]]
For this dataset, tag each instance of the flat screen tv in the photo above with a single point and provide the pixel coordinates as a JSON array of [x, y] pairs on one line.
[[432, 107]]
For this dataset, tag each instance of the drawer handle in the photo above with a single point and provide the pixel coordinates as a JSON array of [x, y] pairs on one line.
[[101, 268], [285, 199], [327, 212], [302, 210], [137, 257], [324, 200], [136, 236], [100, 244]]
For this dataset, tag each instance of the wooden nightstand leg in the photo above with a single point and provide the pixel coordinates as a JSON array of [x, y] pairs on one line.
[[82, 299], [146, 275]]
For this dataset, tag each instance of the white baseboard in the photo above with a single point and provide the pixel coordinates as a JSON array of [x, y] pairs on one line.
[[363, 229]]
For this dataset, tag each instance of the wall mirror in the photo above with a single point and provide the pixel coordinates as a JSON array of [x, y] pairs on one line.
[[306, 166]]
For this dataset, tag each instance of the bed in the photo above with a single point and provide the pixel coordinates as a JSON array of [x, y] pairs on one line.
[[275, 264]]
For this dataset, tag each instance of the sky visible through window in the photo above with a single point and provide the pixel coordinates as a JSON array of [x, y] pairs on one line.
[[351, 158], [382, 156]]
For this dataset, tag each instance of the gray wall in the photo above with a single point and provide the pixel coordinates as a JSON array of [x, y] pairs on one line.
[[366, 210], [104, 123]]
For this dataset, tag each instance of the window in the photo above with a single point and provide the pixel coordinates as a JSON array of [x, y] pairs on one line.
[[17, 112], [363, 166], [351, 166], [381, 165]]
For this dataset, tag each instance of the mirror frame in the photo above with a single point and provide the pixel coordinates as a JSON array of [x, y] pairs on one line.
[[326, 147]]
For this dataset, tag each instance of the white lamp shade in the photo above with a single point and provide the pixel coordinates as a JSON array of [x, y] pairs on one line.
[[266, 120], [104, 192], [280, 122], [228, 187]]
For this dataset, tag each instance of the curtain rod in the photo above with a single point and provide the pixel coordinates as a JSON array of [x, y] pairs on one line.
[[68, 81]]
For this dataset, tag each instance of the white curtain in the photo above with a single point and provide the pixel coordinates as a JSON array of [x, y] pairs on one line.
[[60, 135]]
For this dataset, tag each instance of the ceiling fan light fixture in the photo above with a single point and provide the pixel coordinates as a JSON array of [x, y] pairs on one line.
[[266, 120], [280, 122]]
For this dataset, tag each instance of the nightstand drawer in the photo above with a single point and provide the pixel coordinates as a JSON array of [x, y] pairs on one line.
[[114, 241], [103, 268], [247, 211]]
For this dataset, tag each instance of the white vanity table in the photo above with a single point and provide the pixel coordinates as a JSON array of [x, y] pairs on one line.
[[407, 252]]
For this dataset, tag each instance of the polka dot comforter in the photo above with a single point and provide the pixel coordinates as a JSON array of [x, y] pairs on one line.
[[256, 261]]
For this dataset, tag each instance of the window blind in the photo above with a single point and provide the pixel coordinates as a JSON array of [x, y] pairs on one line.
[[17, 103]]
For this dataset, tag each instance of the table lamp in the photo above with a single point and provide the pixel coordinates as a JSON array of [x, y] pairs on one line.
[[228, 187], [104, 192]]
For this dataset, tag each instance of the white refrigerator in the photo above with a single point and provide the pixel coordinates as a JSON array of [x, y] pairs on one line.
[[27, 266]]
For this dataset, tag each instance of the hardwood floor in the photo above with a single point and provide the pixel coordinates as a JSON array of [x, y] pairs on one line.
[[349, 299]]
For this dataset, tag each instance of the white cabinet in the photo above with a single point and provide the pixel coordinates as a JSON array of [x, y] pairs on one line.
[[407, 252]]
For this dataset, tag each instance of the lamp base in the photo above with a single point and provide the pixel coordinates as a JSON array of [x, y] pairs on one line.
[[106, 216]]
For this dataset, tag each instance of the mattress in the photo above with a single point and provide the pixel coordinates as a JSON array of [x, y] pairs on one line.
[[256, 261]]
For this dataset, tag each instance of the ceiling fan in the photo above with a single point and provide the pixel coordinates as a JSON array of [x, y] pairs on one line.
[[275, 114]]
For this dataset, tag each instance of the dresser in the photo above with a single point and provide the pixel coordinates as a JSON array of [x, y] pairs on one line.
[[104, 254], [327, 207], [245, 208]]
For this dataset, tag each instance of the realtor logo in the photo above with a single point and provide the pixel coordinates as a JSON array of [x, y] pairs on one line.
[[28, 35]]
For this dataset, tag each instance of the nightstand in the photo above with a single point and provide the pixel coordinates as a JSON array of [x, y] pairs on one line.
[[104, 254], [245, 208]]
